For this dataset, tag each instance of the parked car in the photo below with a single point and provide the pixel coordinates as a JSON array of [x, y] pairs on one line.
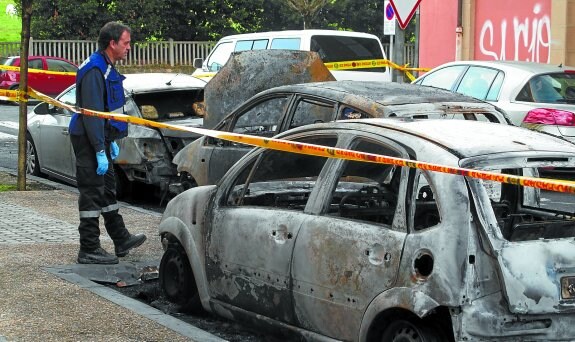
[[49, 84], [333, 47], [273, 111], [145, 154], [537, 96], [353, 251]]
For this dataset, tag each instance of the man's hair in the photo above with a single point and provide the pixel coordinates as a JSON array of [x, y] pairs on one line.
[[111, 31]]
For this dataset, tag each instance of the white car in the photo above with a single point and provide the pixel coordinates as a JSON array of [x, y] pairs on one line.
[[145, 154], [534, 95]]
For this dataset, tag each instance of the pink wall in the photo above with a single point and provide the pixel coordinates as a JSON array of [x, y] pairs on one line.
[[504, 29], [437, 32], [513, 30]]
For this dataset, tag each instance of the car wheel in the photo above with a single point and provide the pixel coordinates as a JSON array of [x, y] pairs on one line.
[[32, 163], [177, 279], [408, 330], [124, 186]]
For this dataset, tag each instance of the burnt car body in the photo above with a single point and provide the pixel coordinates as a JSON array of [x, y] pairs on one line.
[[145, 154], [278, 109], [342, 250]]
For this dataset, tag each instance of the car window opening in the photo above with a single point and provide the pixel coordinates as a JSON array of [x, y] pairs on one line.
[[522, 216], [279, 179]]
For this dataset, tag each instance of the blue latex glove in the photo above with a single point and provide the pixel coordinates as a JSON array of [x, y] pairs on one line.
[[114, 150], [102, 163]]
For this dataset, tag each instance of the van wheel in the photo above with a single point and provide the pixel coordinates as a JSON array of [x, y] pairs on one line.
[[409, 330], [32, 163], [177, 279]]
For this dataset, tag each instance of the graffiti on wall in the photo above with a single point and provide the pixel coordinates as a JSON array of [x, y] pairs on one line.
[[512, 32]]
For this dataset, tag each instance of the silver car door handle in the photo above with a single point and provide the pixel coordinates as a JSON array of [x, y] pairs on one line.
[[65, 132]]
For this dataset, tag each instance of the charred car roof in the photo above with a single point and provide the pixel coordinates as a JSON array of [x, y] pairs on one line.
[[462, 137]]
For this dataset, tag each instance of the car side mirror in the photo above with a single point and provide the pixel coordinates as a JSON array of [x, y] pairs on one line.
[[198, 63], [42, 108]]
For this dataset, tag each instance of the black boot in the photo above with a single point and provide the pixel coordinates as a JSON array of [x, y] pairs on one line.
[[97, 256], [123, 248]]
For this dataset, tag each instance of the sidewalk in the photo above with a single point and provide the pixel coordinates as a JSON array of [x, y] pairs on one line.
[[38, 230]]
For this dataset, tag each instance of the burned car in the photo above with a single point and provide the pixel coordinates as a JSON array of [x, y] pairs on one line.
[[145, 154], [332, 249], [278, 109]]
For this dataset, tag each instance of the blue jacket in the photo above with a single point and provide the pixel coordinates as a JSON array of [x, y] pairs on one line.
[[98, 87]]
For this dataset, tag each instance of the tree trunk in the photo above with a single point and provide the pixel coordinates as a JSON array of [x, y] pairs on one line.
[[24, 47]]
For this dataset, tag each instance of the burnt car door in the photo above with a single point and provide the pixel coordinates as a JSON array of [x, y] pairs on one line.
[[262, 118], [350, 252], [254, 222]]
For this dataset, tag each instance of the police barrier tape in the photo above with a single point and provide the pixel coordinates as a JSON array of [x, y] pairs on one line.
[[359, 64], [323, 151]]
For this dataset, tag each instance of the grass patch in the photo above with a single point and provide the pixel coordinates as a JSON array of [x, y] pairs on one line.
[[11, 26], [7, 187]]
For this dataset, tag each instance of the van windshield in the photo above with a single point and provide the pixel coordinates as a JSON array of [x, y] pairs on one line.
[[343, 48]]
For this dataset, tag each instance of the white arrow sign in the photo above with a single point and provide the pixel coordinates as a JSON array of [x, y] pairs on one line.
[[404, 10]]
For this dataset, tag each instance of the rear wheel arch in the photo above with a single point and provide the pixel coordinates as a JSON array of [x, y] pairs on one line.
[[405, 303], [399, 322]]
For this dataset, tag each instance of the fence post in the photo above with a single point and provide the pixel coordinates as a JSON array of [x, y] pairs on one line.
[[31, 47], [171, 56]]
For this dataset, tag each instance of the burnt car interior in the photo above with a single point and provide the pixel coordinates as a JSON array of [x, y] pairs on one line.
[[522, 217], [364, 191], [170, 105]]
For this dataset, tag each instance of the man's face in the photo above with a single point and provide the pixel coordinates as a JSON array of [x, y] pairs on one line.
[[121, 47]]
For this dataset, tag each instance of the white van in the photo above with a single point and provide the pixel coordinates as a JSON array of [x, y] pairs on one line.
[[333, 47]]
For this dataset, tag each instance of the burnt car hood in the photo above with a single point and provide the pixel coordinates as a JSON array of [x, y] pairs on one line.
[[249, 72]]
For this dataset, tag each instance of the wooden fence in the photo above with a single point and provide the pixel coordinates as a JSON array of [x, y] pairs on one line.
[[149, 53]]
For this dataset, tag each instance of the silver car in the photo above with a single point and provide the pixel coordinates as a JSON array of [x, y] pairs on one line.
[[534, 95], [145, 155], [342, 250]]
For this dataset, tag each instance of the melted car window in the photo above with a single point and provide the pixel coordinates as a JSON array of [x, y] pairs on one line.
[[263, 119], [280, 179], [309, 111], [367, 191], [426, 210]]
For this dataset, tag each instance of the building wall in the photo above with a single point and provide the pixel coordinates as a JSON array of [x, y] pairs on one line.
[[437, 32], [529, 30]]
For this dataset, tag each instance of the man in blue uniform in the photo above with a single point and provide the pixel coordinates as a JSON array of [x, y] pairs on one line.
[[99, 87]]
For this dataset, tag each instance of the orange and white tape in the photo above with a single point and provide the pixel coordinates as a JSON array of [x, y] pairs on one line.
[[323, 151]]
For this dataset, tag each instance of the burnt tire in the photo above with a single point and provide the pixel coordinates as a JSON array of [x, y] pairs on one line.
[[410, 330], [32, 163], [177, 280], [124, 186]]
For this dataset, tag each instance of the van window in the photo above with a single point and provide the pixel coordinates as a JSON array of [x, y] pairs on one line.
[[244, 45], [286, 43], [343, 48], [220, 56]]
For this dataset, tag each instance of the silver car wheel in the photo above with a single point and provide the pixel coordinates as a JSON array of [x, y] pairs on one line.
[[32, 165]]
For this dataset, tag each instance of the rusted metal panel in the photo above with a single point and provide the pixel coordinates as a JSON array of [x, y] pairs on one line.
[[249, 72]]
